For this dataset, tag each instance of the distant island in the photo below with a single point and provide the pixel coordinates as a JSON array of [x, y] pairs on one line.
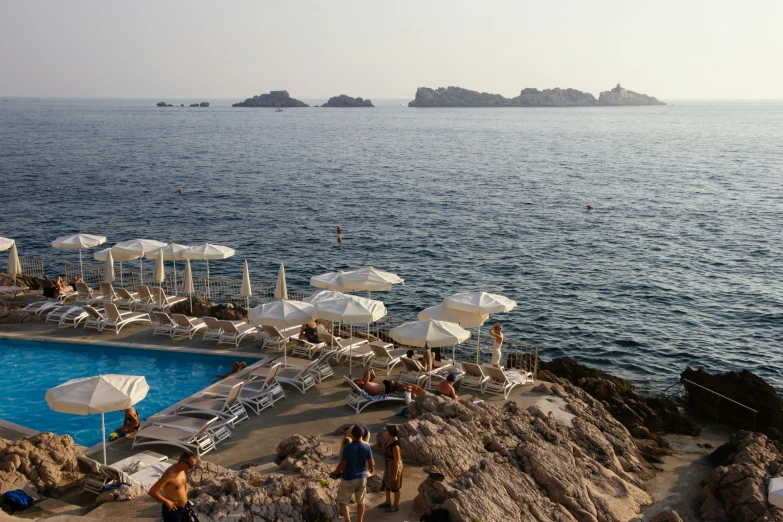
[[164, 104], [346, 101], [273, 99], [459, 97]]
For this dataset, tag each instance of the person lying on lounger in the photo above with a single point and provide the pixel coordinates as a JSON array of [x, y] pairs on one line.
[[446, 388], [309, 332], [376, 388], [61, 287], [423, 362]]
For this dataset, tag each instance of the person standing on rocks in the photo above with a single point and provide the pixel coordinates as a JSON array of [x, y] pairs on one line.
[[392, 474], [356, 463], [174, 484]]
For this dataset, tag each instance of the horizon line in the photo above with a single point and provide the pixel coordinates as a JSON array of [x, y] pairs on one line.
[[206, 98]]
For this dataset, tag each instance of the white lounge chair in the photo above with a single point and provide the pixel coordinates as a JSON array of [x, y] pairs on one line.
[[302, 378], [75, 317], [386, 357], [228, 408], [58, 313], [363, 353], [96, 479], [322, 369], [257, 396], [145, 299], [339, 347], [107, 292], [199, 442], [162, 302], [234, 333], [86, 296], [115, 319], [267, 376], [41, 307], [126, 300], [474, 378], [305, 347], [216, 427], [502, 382], [164, 326], [184, 325], [359, 399], [213, 329], [413, 373], [278, 339]]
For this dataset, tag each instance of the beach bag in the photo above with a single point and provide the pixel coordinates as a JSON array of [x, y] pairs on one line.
[[17, 499]]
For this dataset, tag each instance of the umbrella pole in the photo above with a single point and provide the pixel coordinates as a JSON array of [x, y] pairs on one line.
[[81, 268], [103, 431], [208, 299], [191, 303], [350, 356], [478, 350], [174, 262], [122, 285], [141, 270]]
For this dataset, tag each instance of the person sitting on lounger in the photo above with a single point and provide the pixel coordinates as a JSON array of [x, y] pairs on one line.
[[377, 388], [61, 287], [423, 362], [309, 332], [130, 424], [237, 366], [446, 389]]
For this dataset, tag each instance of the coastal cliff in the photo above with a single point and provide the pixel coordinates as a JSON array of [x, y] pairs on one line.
[[346, 101], [273, 99], [528, 97]]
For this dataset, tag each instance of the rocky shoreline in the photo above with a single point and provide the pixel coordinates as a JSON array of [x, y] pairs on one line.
[[346, 101]]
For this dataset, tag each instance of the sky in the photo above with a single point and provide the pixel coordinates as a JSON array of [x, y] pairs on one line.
[[679, 50]]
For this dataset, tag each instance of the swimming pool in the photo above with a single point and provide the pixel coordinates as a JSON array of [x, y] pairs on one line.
[[29, 368]]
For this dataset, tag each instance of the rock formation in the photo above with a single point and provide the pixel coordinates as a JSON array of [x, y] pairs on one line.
[[744, 387], [20, 280], [620, 96], [11, 313], [193, 105], [273, 99], [737, 488], [346, 101], [43, 464], [202, 307], [204, 104], [529, 97], [163, 104]]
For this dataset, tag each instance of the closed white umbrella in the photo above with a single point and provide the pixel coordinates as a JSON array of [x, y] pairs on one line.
[[14, 266], [99, 394], [209, 251], [79, 241], [430, 334], [351, 310], [6, 243], [328, 281], [108, 270], [138, 247], [480, 303], [442, 312], [187, 284], [281, 290], [172, 252], [247, 291], [367, 279], [282, 314], [116, 255], [159, 275], [323, 295]]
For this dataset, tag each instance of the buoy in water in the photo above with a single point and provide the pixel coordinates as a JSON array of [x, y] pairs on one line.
[[589, 207], [339, 239], [181, 191], [339, 229]]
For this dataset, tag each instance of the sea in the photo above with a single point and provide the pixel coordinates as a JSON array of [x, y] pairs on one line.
[[678, 263]]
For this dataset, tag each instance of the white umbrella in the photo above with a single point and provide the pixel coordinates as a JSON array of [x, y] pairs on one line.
[[108, 270], [6, 243], [172, 252], [99, 394], [281, 290], [14, 266], [159, 275], [208, 251], [116, 255], [328, 281], [482, 303], [351, 310], [367, 279], [430, 334], [282, 314], [138, 247], [187, 284], [442, 312], [323, 295], [79, 241], [247, 291]]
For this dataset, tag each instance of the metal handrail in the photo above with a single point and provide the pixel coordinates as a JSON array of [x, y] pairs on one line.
[[720, 396]]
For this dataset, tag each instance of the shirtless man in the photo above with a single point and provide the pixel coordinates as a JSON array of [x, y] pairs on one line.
[[377, 388], [446, 389], [174, 484]]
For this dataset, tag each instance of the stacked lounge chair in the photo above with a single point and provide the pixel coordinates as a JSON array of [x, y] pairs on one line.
[[227, 408]]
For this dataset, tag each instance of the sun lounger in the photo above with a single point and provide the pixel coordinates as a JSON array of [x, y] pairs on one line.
[[96, 479], [213, 329], [61, 311], [74, 317], [107, 292], [386, 358], [144, 300], [12, 291], [95, 318], [275, 337], [216, 427], [86, 296], [359, 399], [255, 398], [184, 325], [474, 378], [126, 300], [322, 369], [199, 442], [162, 302], [305, 347], [41, 307], [164, 324], [234, 333], [228, 408], [116, 319], [300, 378], [362, 353], [413, 373], [502, 382], [339, 347], [150, 475]]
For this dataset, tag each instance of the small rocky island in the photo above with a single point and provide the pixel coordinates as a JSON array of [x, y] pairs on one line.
[[164, 104], [346, 101], [202, 104], [273, 99], [529, 97]]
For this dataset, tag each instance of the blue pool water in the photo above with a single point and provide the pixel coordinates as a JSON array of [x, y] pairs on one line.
[[30, 368]]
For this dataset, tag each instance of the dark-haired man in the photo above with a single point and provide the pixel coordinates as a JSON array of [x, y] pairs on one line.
[[174, 486], [356, 463]]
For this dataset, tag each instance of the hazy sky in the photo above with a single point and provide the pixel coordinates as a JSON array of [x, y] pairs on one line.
[[315, 49]]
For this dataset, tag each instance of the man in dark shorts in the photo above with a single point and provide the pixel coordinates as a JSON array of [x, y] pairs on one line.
[[356, 464], [376, 388], [174, 487]]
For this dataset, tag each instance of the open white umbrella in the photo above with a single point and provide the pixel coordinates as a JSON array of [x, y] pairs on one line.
[[187, 284], [282, 314], [209, 251], [116, 255], [247, 291], [99, 394], [480, 303], [172, 252], [281, 290], [323, 295], [442, 312], [140, 248], [159, 275], [351, 310], [328, 281], [367, 279], [430, 334], [108, 270], [79, 241], [14, 266], [6, 243]]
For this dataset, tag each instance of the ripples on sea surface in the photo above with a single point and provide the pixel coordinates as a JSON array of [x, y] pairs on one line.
[[679, 263]]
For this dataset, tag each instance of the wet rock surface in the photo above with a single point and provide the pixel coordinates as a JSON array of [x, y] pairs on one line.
[[202, 307], [346, 101], [737, 489], [43, 463], [11, 313], [273, 99]]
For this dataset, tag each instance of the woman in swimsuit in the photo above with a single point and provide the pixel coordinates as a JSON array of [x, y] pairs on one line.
[[309, 332], [497, 334], [130, 424]]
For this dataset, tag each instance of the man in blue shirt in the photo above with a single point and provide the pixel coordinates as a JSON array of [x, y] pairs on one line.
[[356, 463]]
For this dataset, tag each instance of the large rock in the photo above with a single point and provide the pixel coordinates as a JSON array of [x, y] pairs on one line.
[[620, 96], [11, 313], [202, 307], [273, 99], [21, 280], [298, 453], [737, 490], [164, 104], [44, 461], [744, 387], [346, 101]]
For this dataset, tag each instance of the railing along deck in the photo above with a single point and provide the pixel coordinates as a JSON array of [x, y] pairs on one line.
[[32, 267]]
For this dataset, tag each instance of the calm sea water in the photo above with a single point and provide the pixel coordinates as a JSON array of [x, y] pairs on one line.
[[679, 263]]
